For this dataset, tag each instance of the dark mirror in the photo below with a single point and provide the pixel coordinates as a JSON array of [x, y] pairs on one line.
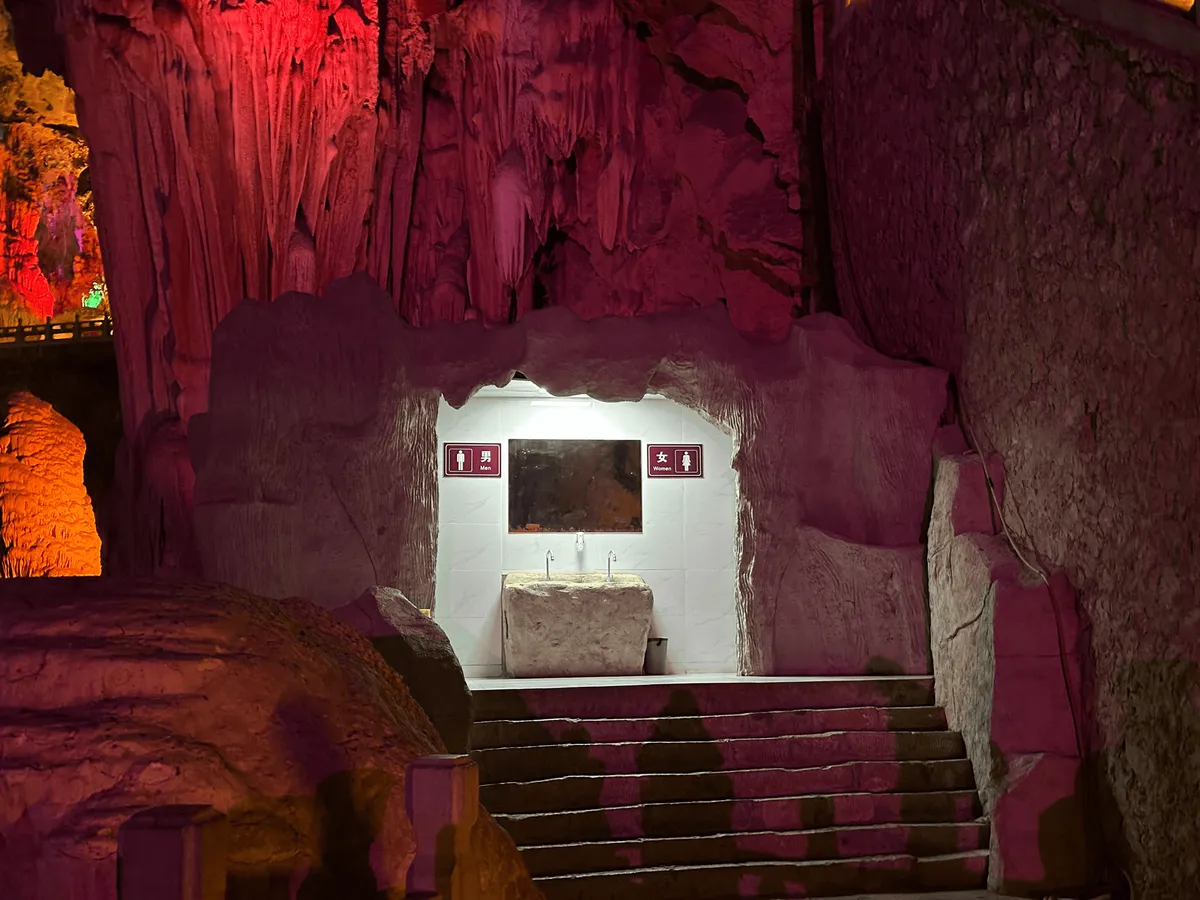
[[567, 486]]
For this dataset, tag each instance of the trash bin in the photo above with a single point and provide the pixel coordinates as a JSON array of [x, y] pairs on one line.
[[656, 656]]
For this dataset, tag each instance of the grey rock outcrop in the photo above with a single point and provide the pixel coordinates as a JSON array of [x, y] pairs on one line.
[[1007, 648], [419, 651]]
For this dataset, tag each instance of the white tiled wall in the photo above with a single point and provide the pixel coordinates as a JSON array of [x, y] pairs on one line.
[[685, 552]]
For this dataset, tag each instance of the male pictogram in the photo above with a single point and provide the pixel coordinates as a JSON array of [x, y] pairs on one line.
[[471, 460]]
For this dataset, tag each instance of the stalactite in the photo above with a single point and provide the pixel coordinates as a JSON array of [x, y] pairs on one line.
[[244, 150], [216, 128], [212, 129]]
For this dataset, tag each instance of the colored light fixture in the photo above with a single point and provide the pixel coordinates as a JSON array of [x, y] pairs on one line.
[[95, 296]]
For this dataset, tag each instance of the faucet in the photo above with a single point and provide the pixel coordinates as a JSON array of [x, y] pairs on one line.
[[612, 558], [549, 559]]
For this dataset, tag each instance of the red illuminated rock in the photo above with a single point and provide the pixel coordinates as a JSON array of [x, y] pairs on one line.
[[478, 162], [47, 526], [19, 248], [134, 695], [49, 254]]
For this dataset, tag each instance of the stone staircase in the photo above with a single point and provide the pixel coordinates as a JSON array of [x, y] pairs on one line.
[[739, 788]]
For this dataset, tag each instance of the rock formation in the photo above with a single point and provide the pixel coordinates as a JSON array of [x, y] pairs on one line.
[[316, 464], [49, 252], [47, 526], [153, 694]]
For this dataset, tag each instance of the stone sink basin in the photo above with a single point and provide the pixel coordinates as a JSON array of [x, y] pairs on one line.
[[574, 624]]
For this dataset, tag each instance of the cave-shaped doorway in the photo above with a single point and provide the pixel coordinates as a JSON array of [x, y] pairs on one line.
[[317, 462]]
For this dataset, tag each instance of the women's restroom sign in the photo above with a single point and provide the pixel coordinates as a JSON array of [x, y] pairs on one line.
[[471, 460], [674, 461]]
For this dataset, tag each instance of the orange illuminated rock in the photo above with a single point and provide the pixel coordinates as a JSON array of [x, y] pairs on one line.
[[142, 694], [47, 526]]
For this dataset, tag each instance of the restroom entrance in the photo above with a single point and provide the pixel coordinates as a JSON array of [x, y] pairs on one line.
[[581, 488], [830, 442]]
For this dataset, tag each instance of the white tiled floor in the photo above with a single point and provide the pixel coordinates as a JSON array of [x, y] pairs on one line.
[[500, 684]]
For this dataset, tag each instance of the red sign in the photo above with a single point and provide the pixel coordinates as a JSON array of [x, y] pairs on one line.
[[674, 461], [471, 460]]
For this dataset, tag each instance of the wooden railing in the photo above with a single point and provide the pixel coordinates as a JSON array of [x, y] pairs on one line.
[[182, 852], [78, 330]]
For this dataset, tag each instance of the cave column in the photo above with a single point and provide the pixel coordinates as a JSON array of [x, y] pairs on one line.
[[234, 149]]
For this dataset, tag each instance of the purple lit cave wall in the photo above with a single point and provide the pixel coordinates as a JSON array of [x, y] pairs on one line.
[[1016, 200]]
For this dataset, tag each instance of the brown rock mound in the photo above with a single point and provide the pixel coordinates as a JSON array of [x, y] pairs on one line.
[[47, 526], [117, 696]]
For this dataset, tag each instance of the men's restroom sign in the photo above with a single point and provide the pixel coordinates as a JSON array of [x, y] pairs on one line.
[[674, 461], [471, 460]]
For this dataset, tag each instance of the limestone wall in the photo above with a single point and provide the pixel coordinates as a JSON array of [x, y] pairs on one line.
[[1017, 200]]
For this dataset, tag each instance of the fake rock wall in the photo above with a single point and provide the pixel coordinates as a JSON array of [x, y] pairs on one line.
[[1016, 199], [148, 694], [316, 464]]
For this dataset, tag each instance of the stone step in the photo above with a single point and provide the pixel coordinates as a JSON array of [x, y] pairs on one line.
[[777, 879], [800, 846], [525, 732], [790, 752], [599, 791], [651, 699], [710, 817]]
